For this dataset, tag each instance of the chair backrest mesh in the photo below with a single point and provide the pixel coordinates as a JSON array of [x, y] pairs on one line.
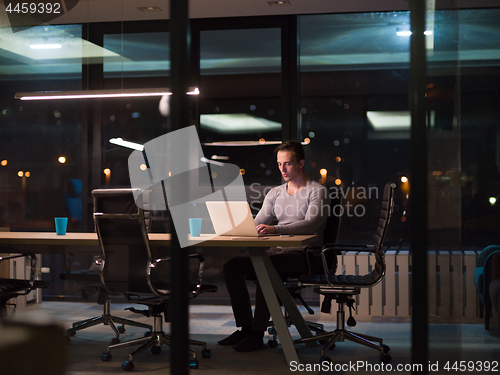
[[124, 242], [331, 233], [383, 224]]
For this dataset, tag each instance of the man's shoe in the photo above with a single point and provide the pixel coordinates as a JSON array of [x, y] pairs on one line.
[[249, 344], [234, 338]]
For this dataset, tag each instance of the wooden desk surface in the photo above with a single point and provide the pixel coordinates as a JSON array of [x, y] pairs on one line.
[[156, 239]]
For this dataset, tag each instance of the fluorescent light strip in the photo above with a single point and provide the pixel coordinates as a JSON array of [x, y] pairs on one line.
[[408, 32], [149, 9], [279, 3], [246, 143], [45, 46], [218, 163], [132, 145], [95, 94]]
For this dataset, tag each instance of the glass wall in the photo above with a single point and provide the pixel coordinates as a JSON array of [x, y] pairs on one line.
[[240, 107], [463, 73], [354, 80], [40, 141], [142, 60]]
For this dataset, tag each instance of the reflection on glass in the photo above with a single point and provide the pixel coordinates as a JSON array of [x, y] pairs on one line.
[[241, 108], [137, 55], [240, 51]]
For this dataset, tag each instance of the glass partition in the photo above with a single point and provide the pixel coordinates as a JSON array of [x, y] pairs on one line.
[[40, 141], [354, 79], [136, 55], [240, 107], [463, 76]]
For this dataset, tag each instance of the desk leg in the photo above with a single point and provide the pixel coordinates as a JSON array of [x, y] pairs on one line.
[[271, 284]]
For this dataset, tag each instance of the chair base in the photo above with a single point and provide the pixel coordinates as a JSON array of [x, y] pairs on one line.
[[341, 334], [153, 342], [313, 326], [107, 319]]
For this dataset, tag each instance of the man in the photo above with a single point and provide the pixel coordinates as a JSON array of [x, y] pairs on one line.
[[300, 206]]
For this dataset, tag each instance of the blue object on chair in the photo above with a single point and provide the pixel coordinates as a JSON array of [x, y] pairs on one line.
[[482, 279]]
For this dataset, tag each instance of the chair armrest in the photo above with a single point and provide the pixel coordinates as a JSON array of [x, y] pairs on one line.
[[478, 279], [201, 260], [32, 263], [350, 247], [7, 257], [201, 264], [341, 247]]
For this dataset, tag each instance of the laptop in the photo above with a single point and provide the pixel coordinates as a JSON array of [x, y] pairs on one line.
[[233, 218]]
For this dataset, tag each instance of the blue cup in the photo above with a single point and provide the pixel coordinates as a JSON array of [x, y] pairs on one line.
[[61, 225], [195, 227]]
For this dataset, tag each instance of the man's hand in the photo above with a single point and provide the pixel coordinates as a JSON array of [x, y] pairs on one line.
[[265, 229]]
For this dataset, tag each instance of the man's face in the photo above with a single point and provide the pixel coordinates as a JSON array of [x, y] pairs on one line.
[[289, 167]]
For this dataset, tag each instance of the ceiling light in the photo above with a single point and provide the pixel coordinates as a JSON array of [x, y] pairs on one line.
[[237, 123], [279, 3], [97, 94], [246, 143], [396, 120], [121, 142], [403, 32], [149, 9], [220, 157], [389, 120], [218, 163], [408, 32], [242, 143]]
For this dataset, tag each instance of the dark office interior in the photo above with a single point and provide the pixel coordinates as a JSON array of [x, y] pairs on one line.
[[339, 80]]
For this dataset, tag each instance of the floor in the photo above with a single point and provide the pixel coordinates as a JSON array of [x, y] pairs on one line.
[[450, 343]]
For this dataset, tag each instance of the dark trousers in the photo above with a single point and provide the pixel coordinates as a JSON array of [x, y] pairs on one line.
[[240, 269]]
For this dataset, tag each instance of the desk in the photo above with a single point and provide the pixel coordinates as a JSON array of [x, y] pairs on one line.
[[272, 284], [270, 281]]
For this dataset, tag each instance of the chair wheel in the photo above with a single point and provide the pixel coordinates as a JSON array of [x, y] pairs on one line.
[[115, 340], [193, 363], [156, 349], [106, 357], [127, 366], [121, 329], [385, 358], [147, 334], [325, 359], [272, 343], [206, 353], [386, 348]]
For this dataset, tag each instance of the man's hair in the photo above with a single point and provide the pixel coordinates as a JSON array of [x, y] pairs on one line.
[[295, 147]]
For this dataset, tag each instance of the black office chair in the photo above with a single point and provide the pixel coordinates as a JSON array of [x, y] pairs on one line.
[[130, 269], [11, 288], [482, 280], [91, 279], [330, 235], [343, 288]]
